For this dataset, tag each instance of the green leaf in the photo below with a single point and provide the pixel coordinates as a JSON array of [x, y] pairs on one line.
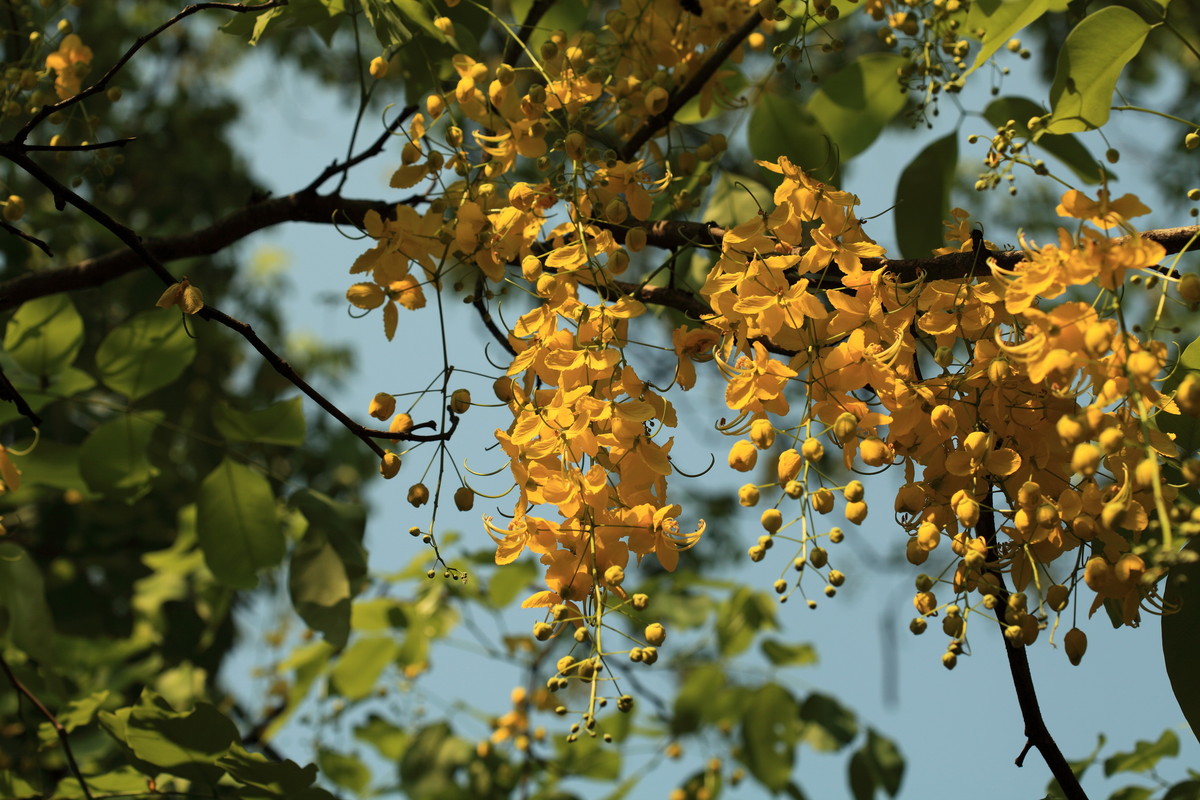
[[769, 735], [284, 779], [122, 781], [741, 617], [503, 585], [329, 565], [1131, 793], [1186, 790], [1090, 62], [360, 665], [280, 423], [183, 743], [856, 103], [320, 16], [594, 760], [1181, 646], [829, 725], [1000, 20], [308, 663], [25, 619], [390, 740], [782, 654], [237, 524], [54, 465], [781, 126], [15, 787], [1065, 147], [694, 702], [735, 199], [77, 714], [389, 25], [344, 769], [876, 765], [1144, 755], [428, 766], [144, 353], [378, 614], [114, 458], [44, 335], [923, 197]]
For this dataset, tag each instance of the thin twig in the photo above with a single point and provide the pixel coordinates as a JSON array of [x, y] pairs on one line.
[[102, 84], [486, 316], [677, 100], [1037, 735], [78, 148], [64, 195], [11, 394], [33, 240], [54, 723], [375, 149]]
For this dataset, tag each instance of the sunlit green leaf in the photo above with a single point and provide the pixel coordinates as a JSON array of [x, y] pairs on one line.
[[237, 524], [1090, 62], [727, 87], [769, 735], [283, 779], [792, 655], [1144, 755], [1132, 793], [377, 614], [77, 714], [781, 126], [115, 458], [329, 565], [344, 769], [280, 423], [877, 764], [145, 353], [503, 585], [695, 699], [14, 786], [923, 197], [390, 740], [183, 743], [855, 104], [44, 335], [1000, 20], [593, 759], [829, 725], [358, 668], [741, 617], [735, 198], [427, 768], [120, 782]]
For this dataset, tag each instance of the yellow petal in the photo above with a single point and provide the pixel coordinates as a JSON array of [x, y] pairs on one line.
[[365, 295], [171, 296], [192, 300], [390, 317]]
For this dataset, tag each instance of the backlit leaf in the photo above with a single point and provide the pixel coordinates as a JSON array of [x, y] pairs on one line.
[[114, 457], [1144, 755], [237, 524], [855, 104], [44, 335], [280, 423], [781, 126], [25, 619], [829, 725], [329, 565], [1000, 20], [769, 735], [783, 654], [741, 617], [360, 665], [1090, 62], [183, 743], [344, 769], [1181, 646], [144, 353]]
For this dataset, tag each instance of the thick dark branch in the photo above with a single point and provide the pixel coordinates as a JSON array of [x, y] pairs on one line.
[[1037, 735], [33, 240], [102, 84], [23, 690], [93, 272], [515, 47], [64, 196], [690, 89], [80, 148]]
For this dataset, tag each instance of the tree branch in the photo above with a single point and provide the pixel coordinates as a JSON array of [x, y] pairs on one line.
[[102, 84], [690, 89], [515, 47], [375, 149], [1037, 735], [23, 690], [66, 196], [228, 230]]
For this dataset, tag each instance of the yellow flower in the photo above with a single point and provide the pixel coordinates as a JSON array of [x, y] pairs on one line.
[[1100, 212], [69, 63], [184, 295]]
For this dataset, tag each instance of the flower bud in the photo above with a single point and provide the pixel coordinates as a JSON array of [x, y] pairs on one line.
[[418, 494], [1075, 643], [762, 433], [464, 498], [383, 405], [390, 465], [460, 401], [655, 634], [772, 520], [748, 495], [788, 466], [742, 456]]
